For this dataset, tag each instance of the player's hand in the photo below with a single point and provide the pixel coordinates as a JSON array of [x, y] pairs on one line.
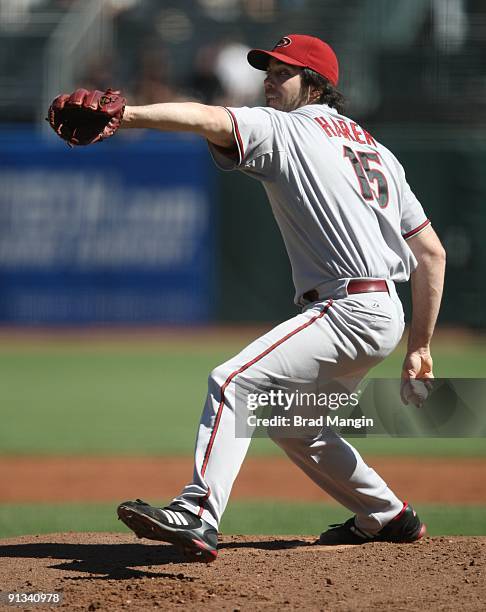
[[417, 377]]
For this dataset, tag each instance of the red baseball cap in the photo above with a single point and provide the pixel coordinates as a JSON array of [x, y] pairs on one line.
[[300, 50]]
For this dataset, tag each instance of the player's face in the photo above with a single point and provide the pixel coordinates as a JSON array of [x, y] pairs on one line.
[[282, 86]]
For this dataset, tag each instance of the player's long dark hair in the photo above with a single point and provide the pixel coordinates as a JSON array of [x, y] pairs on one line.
[[329, 94]]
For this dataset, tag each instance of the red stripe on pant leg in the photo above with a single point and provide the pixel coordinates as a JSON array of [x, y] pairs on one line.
[[242, 369], [202, 502]]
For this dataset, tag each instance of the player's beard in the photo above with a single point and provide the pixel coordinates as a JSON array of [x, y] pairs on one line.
[[289, 103]]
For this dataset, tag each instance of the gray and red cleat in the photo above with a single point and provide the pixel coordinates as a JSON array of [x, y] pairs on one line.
[[405, 527], [197, 539]]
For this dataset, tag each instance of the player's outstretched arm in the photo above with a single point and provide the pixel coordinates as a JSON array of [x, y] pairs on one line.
[[211, 122], [85, 117], [427, 285]]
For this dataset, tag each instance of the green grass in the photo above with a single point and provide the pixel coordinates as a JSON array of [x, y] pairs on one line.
[[312, 518], [101, 402], [146, 398], [258, 517], [427, 447]]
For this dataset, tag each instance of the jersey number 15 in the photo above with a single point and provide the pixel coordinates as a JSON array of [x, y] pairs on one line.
[[368, 177]]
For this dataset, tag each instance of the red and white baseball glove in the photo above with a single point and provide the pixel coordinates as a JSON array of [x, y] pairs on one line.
[[85, 117]]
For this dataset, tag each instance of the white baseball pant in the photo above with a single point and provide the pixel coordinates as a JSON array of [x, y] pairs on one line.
[[329, 340]]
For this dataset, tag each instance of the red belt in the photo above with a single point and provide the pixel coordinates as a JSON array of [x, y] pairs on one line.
[[354, 286]]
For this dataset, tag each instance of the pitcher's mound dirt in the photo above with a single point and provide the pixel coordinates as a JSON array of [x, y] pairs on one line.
[[102, 571]]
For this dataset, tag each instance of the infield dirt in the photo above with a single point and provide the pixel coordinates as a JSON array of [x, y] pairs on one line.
[[118, 572], [105, 571]]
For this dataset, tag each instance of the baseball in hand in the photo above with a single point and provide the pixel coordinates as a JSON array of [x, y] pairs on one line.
[[415, 391]]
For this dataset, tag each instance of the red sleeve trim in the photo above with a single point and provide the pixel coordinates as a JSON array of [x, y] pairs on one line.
[[416, 230], [239, 141]]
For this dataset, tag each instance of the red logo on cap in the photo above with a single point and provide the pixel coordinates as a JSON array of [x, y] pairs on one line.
[[283, 42]]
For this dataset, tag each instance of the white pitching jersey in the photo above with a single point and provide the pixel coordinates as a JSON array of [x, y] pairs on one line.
[[341, 200]]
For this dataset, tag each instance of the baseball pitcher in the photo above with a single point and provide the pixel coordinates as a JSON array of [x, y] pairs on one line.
[[352, 228]]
